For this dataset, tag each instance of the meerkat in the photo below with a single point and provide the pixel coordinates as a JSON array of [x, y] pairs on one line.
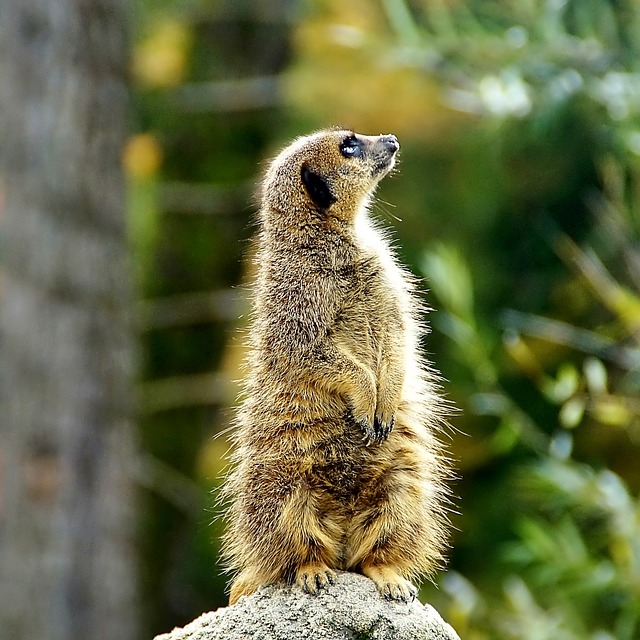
[[337, 464]]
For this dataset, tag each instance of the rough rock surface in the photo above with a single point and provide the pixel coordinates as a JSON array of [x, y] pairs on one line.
[[351, 609]]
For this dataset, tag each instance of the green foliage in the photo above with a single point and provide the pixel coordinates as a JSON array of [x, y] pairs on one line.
[[573, 569], [521, 58], [570, 567], [550, 397]]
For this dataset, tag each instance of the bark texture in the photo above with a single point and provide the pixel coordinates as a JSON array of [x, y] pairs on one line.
[[65, 342]]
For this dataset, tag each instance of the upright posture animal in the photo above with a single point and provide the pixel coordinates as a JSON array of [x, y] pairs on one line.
[[336, 463]]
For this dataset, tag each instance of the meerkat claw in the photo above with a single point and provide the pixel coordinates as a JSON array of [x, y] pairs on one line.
[[403, 593], [378, 428], [308, 587], [314, 579], [382, 429], [369, 430], [392, 423], [391, 585]]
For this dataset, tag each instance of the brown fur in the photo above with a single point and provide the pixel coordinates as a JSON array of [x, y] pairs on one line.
[[336, 465]]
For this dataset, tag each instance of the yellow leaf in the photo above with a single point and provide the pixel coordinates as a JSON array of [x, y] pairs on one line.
[[160, 60], [611, 411], [142, 156]]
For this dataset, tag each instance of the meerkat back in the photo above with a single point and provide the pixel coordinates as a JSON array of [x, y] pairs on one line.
[[337, 464]]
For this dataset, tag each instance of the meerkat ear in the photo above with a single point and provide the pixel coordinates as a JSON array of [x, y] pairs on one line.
[[317, 188]]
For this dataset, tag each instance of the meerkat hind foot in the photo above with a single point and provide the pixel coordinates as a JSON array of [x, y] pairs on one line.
[[244, 585], [312, 577], [390, 584]]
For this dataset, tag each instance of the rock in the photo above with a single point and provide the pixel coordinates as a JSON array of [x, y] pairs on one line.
[[352, 609]]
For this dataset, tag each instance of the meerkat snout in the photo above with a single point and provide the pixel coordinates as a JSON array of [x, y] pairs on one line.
[[380, 151], [390, 142], [385, 151]]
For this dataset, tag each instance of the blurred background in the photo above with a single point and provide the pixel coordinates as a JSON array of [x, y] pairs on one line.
[[517, 202]]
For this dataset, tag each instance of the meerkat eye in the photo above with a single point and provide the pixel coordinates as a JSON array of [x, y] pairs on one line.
[[351, 147]]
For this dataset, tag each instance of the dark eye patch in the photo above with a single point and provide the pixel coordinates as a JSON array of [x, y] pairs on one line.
[[351, 147]]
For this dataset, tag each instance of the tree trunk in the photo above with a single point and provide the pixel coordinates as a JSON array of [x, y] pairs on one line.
[[66, 447]]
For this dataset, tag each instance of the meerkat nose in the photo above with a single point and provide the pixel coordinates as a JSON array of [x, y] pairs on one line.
[[390, 142]]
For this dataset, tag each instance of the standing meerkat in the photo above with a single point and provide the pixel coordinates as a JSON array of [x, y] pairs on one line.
[[336, 462]]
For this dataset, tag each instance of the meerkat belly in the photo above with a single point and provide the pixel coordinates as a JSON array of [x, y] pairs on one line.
[[339, 470], [337, 474]]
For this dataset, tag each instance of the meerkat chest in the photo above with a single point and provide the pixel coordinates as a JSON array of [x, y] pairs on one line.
[[378, 254], [371, 310], [382, 281]]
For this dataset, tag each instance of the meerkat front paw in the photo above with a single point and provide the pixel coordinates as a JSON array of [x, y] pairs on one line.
[[245, 584], [367, 426], [363, 406], [388, 402], [377, 431], [382, 426], [313, 577]]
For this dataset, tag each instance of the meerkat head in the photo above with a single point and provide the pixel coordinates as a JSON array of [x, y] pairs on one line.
[[328, 174]]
